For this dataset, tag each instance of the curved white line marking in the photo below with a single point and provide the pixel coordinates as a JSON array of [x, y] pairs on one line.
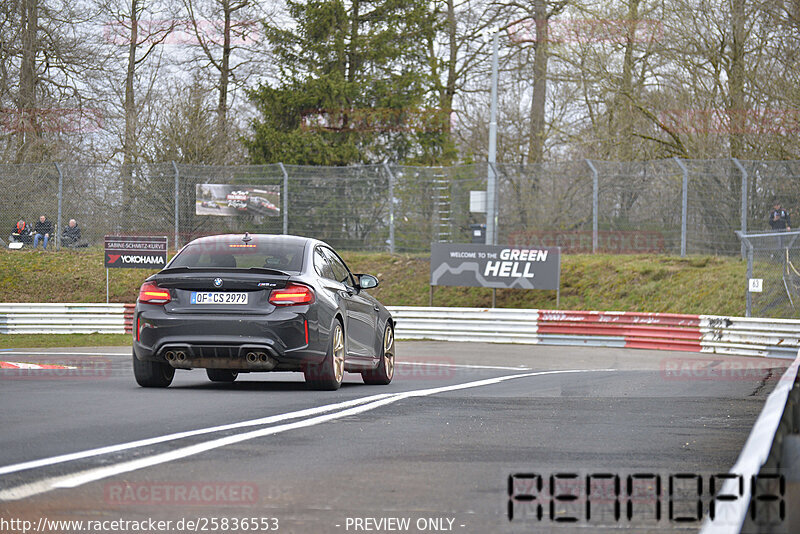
[[91, 475], [181, 435]]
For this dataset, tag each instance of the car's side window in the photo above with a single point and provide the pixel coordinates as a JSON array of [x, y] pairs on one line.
[[321, 264], [340, 271]]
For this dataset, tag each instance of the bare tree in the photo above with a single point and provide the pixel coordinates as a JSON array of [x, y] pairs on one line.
[[43, 62], [229, 41]]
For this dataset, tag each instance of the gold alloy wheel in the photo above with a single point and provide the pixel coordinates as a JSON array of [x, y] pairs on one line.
[[338, 353], [388, 352]]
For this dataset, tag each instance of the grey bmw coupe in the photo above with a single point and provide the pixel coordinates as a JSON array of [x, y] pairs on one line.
[[245, 303]]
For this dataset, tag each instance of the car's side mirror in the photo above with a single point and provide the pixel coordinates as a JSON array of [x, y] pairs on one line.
[[367, 281]]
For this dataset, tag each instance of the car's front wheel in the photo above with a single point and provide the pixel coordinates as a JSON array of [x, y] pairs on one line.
[[152, 374], [384, 372], [221, 375], [328, 375]]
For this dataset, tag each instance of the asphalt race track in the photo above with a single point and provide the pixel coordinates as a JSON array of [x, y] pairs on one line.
[[432, 452]]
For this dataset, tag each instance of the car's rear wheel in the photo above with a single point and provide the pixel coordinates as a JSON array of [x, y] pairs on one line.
[[222, 375], [384, 372], [328, 375], [152, 374]]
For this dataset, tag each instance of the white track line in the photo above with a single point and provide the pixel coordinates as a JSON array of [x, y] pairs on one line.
[[465, 366], [91, 475], [181, 435], [428, 364]]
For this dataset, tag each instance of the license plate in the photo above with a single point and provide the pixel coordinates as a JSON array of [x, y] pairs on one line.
[[218, 297]]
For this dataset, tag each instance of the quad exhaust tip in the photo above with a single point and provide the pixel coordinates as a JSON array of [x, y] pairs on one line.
[[180, 356], [252, 357], [170, 356]]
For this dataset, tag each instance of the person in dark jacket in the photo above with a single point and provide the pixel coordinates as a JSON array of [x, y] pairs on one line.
[[71, 234], [21, 233], [779, 221], [41, 231]]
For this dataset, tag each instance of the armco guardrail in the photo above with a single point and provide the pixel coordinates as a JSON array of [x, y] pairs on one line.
[[772, 450], [65, 318], [667, 331]]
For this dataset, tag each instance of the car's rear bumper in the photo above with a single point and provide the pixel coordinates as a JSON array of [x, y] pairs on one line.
[[227, 341]]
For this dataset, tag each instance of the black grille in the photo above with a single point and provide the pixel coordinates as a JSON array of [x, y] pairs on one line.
[[215, 351]]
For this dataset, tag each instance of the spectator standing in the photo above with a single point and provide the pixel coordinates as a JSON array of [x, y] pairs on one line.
[[41, 231], [71, 234], [779, 221], [21, 233]]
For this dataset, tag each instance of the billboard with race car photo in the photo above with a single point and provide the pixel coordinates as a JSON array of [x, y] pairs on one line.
[[228, 200]]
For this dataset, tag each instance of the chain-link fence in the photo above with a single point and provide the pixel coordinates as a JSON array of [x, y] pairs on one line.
[[773, 273], [666, 206]]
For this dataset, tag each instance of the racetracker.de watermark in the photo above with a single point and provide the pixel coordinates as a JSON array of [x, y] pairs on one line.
[[706, 369], [50, 120], [184, 32], [587, 31], [375, 120], [729, 121], [181, 493], [54, 368]]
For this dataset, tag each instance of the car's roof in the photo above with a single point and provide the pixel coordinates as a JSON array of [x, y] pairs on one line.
[[256, 239]]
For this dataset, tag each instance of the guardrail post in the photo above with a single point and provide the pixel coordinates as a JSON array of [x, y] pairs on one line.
[[391, 206], [684, 203], [285, 199], [57, 236], [595, 197], [177, 175], [743, 222]]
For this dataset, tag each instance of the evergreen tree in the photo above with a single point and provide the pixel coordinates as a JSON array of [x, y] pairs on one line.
[[354, 86]]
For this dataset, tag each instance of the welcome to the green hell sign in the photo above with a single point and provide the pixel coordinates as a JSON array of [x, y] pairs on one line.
[[454, 264]]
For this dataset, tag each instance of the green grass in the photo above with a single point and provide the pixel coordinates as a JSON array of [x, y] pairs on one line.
[[635, 282], [646, 283]]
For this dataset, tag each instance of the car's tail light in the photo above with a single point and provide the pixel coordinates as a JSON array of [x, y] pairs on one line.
[[152, 294], [292, 294]]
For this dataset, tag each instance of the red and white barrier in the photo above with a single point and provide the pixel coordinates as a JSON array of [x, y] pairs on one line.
[[664, 331]]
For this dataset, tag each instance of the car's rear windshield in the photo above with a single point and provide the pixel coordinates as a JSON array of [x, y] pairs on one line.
[[278, 255]]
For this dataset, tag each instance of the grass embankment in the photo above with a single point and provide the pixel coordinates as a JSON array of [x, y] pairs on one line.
[[648, 283]]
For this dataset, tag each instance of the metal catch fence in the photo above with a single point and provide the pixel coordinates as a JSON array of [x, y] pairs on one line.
[[666, 206], [773, 273]]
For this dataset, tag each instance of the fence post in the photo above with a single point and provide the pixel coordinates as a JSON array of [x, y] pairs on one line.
[[285, 199], [684, 203], [744, 201], [492, 208], [177, 174], [391, 207], [57, 236], [749, 307], [595, 196]]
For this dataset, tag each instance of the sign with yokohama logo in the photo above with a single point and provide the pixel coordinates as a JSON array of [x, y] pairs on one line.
[[135, 252]]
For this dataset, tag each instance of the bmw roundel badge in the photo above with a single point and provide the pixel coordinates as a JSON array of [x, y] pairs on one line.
[[217, 282]]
